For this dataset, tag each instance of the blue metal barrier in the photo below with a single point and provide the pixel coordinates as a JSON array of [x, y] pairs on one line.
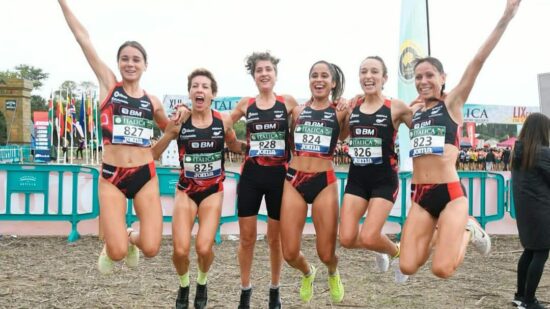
[[30, 179]]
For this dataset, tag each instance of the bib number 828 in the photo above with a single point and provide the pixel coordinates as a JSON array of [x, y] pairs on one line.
[[267, 145]]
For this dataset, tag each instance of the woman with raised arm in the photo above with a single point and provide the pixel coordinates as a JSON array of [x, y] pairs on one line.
[[438, 197], [531, 188], [128, 170], [373, 182], [311, 179], [263, 171]]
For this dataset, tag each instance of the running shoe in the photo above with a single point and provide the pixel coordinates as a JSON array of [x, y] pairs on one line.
[[399, 277], [336, 287], [104, 262], [306, 290], [182, 302], [480, 239], [274, 299], [534, 305], [201, 297], [382, 262], [244, 303], [517, 300]]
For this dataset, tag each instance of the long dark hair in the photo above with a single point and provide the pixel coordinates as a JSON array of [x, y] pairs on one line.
[[337, 77], [533, 135]]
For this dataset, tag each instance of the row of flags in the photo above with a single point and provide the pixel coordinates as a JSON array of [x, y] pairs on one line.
[[65, 124]]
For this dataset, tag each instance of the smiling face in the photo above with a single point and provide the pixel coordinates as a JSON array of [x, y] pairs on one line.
[[372, 76], [200, 93], [428, 80], [321, 81], [265, 75], [131, 63]]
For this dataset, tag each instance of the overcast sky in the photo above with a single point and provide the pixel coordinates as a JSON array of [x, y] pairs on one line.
[[180, 35]]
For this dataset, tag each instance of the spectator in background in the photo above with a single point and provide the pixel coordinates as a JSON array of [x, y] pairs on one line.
[[506, 158], [80, 149], [531, 188], [490, 159]]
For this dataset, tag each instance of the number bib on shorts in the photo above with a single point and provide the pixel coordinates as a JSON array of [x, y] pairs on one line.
[[427, 140], [270, 144], [312, 139], [202, 165], [364, 151], [130, 130]]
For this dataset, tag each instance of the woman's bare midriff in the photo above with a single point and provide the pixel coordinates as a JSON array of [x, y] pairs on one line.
[[310, 164], [432, 169], [126, 156]]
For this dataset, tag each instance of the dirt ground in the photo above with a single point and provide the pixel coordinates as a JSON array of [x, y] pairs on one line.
[[48, 272]]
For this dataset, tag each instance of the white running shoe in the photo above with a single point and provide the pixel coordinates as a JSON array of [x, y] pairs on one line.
[[104, 262], [382, 262], [399, 276], [480, 239]]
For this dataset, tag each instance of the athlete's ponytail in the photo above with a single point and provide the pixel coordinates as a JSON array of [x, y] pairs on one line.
[[337, 77]]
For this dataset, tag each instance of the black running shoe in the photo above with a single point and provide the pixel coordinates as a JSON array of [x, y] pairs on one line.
[[274, 299], [534, 305], [182, 302], [201, 297], [244, 303]]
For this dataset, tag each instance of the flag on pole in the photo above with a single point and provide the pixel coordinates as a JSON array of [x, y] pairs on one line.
[[50, 119], [413, 44]]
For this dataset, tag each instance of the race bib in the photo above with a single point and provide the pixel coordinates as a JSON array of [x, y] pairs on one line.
[[312, 139], [130, 130], [202, 165], [271, 144], [427, 140], [365, 151]]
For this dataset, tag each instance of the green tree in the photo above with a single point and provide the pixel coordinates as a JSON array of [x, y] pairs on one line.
[[25, 71], [38, 103], [240, 129], [36, 75]]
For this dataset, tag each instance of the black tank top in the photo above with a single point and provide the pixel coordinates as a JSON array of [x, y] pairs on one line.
[[126, 120], [372, 137], [316, 133], [201, 151], [267, 134], [431, 130]]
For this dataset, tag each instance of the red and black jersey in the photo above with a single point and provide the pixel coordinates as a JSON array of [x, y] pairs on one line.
[[126, 120], [372, 137], [267, 133], [201, 151], [432, 129], [316, 133]]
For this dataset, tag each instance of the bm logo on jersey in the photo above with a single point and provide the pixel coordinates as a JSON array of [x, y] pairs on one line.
[[409, 53], [203, 145]]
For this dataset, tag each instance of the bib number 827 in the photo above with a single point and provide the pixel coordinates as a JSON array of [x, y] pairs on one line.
[[132, 131]]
